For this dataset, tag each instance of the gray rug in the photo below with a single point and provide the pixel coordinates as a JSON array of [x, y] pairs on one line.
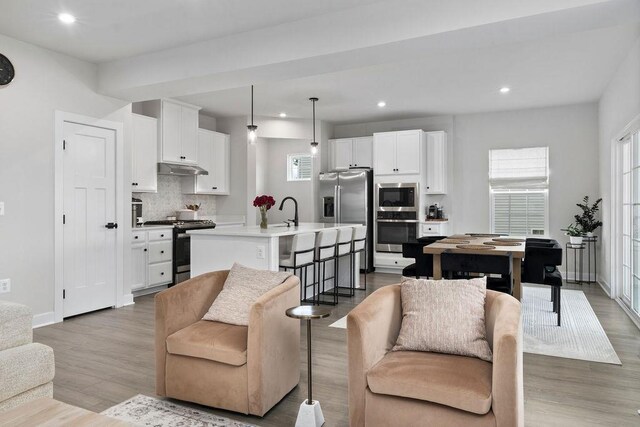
[[148, 411], [581, 335]]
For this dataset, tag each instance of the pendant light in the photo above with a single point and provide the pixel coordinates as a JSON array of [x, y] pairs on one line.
[[314, 143], [252, 128]]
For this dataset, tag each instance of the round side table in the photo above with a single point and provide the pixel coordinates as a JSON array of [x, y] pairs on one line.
[[310, 413]]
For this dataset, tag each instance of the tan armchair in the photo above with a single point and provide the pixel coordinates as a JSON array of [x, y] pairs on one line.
[[411, 388], [238, 368]]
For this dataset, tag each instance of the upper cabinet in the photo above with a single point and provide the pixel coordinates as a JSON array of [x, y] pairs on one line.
[[178, 127], [214, 156], [144, 178], [351, 152], [397, 153], [436, 180]]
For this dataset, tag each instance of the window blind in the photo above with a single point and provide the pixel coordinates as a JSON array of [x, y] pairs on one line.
[[522, 167], [299, 167], [519, 212]]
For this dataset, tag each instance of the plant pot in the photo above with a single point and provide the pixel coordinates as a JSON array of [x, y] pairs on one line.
[[575, 240], [589, 234]]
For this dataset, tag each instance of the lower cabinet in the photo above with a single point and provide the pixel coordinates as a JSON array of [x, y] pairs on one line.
[[151, 258], [434, 228]]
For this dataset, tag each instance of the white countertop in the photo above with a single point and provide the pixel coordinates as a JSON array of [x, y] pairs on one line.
[[224, 220], [275, 230]]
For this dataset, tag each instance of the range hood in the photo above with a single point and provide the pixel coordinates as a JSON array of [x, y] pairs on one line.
[[180, 170]]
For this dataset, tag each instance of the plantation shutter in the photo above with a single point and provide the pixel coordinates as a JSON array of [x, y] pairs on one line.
[[519, 212], [299, 167]]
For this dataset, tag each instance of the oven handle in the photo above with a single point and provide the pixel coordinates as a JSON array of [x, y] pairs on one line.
[[399, 220], [182, 236]]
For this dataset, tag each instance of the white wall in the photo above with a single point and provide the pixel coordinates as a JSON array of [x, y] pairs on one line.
[[276, 184], [619, 104], [45, 81]]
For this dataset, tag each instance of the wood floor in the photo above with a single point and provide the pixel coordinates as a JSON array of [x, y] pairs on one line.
[[106, 357]]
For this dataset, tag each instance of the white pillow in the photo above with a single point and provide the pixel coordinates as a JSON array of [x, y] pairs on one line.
[[444, 316], [241, 289]]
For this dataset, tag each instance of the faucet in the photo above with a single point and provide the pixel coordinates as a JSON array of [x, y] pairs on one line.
[[295, 218]]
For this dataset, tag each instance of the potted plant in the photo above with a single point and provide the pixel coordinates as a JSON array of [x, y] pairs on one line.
[[587, 220], [264, 203], [575, 234]]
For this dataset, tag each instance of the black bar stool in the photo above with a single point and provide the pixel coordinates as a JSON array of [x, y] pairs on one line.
[[344, 248], [359, 245], [326, 242]]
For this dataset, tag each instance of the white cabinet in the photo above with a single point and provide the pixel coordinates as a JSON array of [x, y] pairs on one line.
[[214, 155], [434, 228], [144, 164], [351, 152], [397, 153], [151, 258], [178, 132], [436, 163]]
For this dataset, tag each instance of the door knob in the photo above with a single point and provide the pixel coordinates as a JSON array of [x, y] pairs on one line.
[[111, 225]]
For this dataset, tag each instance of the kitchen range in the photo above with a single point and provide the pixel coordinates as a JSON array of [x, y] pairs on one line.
[[182, 244]]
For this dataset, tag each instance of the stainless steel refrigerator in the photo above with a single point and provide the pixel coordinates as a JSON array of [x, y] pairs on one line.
[[347, 197]]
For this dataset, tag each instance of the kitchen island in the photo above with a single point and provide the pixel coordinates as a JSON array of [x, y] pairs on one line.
[[217, 249]]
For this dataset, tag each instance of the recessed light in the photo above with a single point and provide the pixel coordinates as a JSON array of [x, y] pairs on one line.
[[67, 18], [283, 115], [505, 89], [382, 104]]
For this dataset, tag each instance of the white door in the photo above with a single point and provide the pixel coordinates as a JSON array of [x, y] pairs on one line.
[[436, 163], [204, 183], [138, 266], [171, 132], [145, 147], [363, 152], [342, 150], [89, 202], [408, 152], [384, 153]]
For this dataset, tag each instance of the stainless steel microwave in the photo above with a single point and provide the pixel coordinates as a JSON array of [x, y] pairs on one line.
[[397, 197]]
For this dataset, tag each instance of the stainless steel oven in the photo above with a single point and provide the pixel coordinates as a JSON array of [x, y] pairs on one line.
[[397, 197], [395, 228]]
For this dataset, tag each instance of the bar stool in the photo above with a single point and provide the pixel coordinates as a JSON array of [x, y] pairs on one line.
[[358, 245], [301, 257], [326, 241], [344, 248]]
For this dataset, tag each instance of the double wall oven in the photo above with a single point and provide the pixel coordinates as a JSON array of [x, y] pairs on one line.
[[396, 215]]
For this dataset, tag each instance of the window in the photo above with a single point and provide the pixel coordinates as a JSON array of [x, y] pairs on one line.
[[519, 180], [299, 167]]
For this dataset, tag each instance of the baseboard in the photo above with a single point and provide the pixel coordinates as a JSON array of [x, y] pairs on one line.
[[632, 316], [148, 291], [44, 319], [127, 299], [605, 286]]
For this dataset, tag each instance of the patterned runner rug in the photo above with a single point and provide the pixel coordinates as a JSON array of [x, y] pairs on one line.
[[143, 410]]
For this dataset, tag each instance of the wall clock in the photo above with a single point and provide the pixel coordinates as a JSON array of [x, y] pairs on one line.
[[6, 70]]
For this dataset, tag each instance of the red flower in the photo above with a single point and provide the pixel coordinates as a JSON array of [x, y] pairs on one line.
[[264, 200]]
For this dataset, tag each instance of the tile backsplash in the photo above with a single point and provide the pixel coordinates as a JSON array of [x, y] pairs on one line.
[[169, 198]]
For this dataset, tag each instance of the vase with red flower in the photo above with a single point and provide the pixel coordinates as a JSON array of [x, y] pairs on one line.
[[264, 203]]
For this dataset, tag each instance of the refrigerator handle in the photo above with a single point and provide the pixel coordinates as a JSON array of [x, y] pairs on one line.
[[338, 190]]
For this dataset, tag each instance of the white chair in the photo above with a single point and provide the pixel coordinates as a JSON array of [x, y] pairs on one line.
[[344, 247], [301, 258], [359, 245], [326, 241]]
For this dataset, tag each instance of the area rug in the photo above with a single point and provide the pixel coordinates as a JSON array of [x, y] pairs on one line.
[[148, 411], [581, 335]]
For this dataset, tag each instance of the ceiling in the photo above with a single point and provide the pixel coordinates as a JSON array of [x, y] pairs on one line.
[[558, 70], [115, 29], [423, 57]]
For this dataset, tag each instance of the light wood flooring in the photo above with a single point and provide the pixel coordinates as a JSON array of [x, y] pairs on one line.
[[106, 357]]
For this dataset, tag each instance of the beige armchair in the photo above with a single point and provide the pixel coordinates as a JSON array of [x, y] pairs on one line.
[[238, 368], [26, 368], [410, 388]]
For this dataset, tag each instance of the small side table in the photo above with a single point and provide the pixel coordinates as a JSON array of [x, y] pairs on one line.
[[578, 251], [310, 413]]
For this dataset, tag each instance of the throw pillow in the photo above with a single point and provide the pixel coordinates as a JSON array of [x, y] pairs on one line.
[[444, 316], [241, 289]]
